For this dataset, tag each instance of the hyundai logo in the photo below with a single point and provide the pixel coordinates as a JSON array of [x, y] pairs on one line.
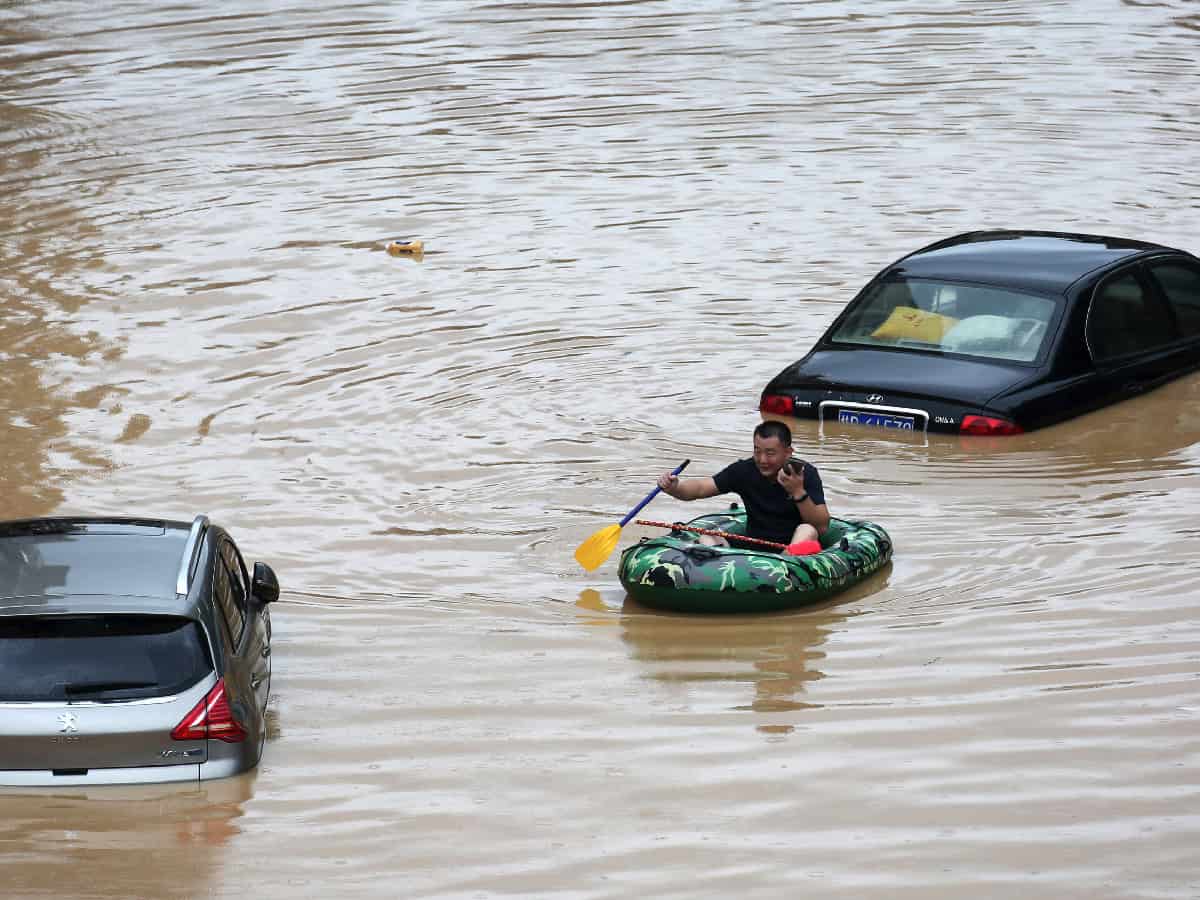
[[68, 723], [874, 398]]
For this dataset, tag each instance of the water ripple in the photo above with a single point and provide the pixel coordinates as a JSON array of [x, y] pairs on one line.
[[634, 214]]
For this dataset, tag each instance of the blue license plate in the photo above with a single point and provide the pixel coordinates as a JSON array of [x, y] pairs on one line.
[[879, 420]]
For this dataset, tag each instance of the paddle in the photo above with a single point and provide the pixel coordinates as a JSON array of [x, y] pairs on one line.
[[801, 548], [674, 526], [596, 549]]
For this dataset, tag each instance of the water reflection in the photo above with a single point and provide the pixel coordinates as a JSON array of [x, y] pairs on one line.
[[697, 659], [140, 841], [1153, 432], [592, 599], [777, 655], [23, 573]]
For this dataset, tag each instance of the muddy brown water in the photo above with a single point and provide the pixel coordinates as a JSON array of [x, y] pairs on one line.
[[634, 214]]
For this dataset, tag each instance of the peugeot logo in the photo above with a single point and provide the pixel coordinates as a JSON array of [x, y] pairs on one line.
[[874, 398], [68, 723]]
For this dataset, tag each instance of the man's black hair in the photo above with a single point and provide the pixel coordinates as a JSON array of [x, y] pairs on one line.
[[773, 429]]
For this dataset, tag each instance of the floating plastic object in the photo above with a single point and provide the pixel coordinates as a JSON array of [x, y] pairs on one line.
[[406, 248]]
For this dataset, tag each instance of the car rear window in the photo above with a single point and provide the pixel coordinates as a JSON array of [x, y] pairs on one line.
[[71, 559], [973, 320], [99, 657]]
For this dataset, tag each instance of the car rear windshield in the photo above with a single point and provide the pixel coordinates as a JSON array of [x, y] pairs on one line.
[[64, 558], [99, 657], [973, 320]]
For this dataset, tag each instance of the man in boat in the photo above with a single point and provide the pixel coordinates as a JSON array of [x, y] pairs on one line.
[[783, 497]]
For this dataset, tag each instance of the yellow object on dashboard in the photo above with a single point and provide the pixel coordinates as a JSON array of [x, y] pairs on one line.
[[908, 322]]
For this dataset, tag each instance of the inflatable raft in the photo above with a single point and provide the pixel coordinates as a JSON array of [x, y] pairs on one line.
[[677, 572]]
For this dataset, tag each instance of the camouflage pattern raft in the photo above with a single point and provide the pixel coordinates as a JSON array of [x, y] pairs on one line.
[[677, 572]]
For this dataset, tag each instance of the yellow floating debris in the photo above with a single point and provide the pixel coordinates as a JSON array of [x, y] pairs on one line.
[[397, 248]]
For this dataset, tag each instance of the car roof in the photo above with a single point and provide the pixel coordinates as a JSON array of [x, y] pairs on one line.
[[97, 565], [1045, 262]]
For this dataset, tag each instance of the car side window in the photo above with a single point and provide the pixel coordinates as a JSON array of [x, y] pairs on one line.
[[1124, 319], [230, 593], [237, 573], [1180, 284]]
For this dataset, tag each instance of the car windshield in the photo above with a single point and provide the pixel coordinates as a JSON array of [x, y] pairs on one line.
[[974, 320], [99, 657]]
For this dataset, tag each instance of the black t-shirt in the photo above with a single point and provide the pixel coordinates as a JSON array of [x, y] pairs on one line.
[[771, 515]]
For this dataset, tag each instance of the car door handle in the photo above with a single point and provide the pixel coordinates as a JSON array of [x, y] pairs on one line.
[[255, 682], [266, 651]]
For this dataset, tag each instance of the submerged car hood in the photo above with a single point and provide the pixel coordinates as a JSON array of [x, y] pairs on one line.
[[971, 382]]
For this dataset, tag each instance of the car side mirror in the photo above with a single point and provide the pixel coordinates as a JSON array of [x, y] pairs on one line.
[[264, 585]]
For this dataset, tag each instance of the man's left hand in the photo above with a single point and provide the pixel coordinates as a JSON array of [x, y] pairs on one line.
[[791, 482]]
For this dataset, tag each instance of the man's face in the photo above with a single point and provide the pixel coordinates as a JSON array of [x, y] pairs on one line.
[[770, 455]]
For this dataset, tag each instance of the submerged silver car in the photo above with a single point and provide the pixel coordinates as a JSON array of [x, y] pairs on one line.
[[131, 650]]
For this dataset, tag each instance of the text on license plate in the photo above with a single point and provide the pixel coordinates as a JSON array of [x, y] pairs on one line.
[[879, 420]]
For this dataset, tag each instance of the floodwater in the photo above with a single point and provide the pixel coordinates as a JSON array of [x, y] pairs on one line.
[[634, 213]]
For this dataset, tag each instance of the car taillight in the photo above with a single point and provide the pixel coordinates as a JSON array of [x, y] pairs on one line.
[[988, 425], [211, 718], [777, 404]]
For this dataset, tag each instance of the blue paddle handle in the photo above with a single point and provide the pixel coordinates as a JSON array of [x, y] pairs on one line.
[[650, 496]]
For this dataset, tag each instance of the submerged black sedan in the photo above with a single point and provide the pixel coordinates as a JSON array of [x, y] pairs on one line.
[[999, 332]]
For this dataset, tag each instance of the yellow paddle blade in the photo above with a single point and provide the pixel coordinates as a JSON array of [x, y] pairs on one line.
[[596, 549]]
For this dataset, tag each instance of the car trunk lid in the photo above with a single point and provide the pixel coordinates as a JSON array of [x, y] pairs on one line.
[[902, 378], [84, 692], [74, 738]]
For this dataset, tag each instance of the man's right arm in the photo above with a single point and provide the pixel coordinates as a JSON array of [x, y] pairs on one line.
[[692, 489]]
